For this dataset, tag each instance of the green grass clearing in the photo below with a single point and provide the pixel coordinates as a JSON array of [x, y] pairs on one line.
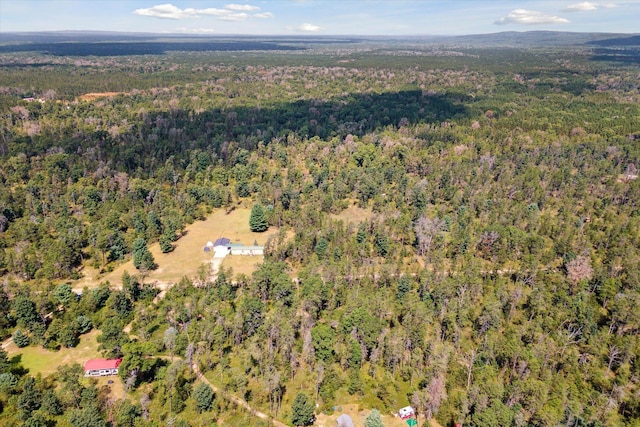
[[41, 361], [46, 362]]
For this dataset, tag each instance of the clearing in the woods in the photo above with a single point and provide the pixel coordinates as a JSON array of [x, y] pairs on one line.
[[189, 255], [359, 415]]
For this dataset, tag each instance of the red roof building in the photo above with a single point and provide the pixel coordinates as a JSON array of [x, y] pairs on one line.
[[101, 367]]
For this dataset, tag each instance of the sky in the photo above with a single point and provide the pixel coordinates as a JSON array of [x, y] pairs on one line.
[[321, 17]]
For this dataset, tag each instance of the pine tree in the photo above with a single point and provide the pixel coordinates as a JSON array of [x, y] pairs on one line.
[[204, 397], [302, 411], [258, 219], [142, 258], [321, 247], [20, 339], [374, 419], [165, 244]]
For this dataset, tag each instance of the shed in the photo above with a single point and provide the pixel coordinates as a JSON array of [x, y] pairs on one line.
[[209, 246], [345, 420], [101, 367]]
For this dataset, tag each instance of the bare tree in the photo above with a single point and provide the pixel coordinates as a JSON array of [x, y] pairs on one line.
[[427, 230], [614, 356], [487, 241], [573, 336], [144, 403], [437, 393], [579, 269], [429, 399], [468, 360], [319, 378]]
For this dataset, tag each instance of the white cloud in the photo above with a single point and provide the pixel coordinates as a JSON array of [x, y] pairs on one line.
[[587, 6], [165, 11], [581, 7], [530, 17], [231, 12], [310, 28], [234, 17], [195, 30], [243, 7], [212, 12]]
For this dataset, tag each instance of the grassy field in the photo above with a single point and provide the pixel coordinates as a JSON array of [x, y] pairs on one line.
[[241, 264], [41, 361], [189, 253]]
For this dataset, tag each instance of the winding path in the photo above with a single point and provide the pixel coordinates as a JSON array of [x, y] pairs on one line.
[[235, 399]]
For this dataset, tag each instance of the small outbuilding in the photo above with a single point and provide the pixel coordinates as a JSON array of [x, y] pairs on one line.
[[345, 420], [101, 367]]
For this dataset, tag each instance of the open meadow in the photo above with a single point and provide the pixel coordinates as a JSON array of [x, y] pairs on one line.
[[38, 360], [189, 255]]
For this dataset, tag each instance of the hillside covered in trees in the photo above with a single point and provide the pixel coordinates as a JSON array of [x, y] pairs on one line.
[[495, 280]]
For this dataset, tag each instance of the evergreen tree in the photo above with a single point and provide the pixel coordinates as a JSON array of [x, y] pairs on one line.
[[321, 247], [404, 286], [381, 244], [204, 397], [63, 293], [4, 361], [302, 411], [322, 337], [165, 243], [31, 398], [25, 311], [373, 419], [142, 258], [20, 339], [84, 324], [258, 219], [86, 417]]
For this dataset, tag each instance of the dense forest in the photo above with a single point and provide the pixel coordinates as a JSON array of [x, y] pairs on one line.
[[495, 281]]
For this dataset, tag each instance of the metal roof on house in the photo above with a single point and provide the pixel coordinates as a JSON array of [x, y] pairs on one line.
[[97, 364], [246, 248], [222, 241]]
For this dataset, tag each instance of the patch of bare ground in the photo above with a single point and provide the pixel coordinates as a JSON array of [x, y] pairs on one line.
[[92, 96], [353, 214]]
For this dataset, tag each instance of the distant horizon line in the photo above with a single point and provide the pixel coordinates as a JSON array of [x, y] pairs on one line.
[[303, 34]]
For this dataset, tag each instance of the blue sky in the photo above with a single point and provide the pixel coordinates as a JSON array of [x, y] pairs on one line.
[[321, 17]]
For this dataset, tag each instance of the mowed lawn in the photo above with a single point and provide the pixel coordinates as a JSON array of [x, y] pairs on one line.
[[39, 360], [45, 362], [189, 254]]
